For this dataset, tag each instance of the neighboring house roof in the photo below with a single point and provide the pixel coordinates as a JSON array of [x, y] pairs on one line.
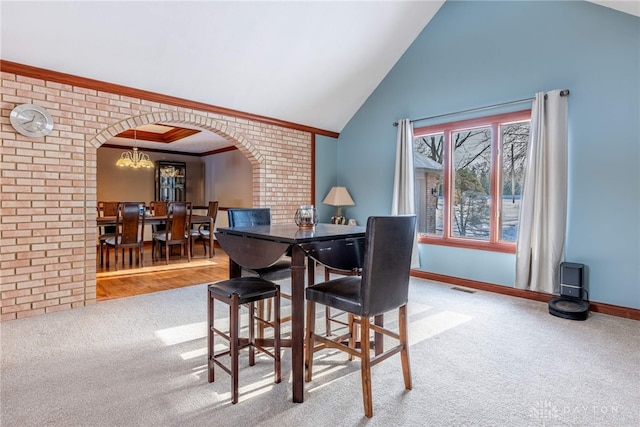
[[420, 161]]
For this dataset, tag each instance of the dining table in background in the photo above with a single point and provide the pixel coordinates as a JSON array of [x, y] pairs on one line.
[[262, 245]]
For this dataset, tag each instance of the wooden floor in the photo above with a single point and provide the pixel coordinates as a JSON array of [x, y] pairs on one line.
[[157, 276]]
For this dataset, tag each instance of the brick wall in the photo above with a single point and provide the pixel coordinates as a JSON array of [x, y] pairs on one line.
[[48, 194]]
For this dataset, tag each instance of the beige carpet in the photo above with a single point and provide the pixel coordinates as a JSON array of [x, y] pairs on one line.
[[478, 359]]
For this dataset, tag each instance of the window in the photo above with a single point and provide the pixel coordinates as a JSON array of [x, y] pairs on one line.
[[468, 178]]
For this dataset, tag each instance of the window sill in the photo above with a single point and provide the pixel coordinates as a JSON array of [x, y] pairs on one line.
[[504, 247]]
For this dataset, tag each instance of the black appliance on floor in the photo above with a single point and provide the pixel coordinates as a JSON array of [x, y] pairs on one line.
[[571, 303]]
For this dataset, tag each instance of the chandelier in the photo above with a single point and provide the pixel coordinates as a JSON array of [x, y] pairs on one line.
[[134, 159]]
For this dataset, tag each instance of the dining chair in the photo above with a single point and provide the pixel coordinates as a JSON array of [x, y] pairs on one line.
[[383, 287], [336, 317], [177, 232], [237, 292], [246, 217], [157, 208], [342, 258], [203, 233], [106, 208], [129, 232]]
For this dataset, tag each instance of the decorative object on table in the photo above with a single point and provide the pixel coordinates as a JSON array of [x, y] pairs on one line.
[[338, 197], [31, 120], [352, 222], [134, 159], [306, 217]]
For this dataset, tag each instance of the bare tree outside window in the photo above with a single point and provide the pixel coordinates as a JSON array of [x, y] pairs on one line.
[[472, 188], [515, 141]]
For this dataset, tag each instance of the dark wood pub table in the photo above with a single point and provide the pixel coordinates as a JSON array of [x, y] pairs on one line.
[[261, 246]]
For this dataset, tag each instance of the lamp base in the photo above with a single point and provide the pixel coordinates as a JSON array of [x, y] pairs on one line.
[[340, 220]]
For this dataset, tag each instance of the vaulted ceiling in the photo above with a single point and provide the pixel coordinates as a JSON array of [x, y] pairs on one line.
[[312, 63]]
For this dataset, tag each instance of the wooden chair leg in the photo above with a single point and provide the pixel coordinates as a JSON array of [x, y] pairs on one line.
[[276, 342], [234, 329], [308, 342], [261, 313], [252, 334], [269, 310], [365, 365], [167, 250], [327, 309], [210, 336], [404, 353], [353, 331]]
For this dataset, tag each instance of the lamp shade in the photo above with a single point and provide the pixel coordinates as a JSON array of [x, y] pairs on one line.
[[338, 196]]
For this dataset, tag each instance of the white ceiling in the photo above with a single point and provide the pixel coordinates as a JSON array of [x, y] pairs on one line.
[[631, 7], [312, 63]]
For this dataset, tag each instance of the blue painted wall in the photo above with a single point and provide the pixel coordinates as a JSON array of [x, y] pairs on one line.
[[479, 53], [326, 174]]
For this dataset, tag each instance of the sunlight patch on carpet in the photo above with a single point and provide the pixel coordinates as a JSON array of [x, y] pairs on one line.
[[188, 355], [435, 324], [183, 333]]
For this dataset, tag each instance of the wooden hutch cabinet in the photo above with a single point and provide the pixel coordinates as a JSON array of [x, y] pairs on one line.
[[171, 181]]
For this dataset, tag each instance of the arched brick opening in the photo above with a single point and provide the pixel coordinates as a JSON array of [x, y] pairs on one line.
[[48, 259], [201, 122]]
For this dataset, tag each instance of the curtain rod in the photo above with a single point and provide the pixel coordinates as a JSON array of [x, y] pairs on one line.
[[563, 92]]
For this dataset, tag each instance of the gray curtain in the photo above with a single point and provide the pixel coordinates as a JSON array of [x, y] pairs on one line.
[[403, 202], [543, 209]]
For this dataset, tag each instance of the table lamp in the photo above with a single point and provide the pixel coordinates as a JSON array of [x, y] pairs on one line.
[[338, 197]]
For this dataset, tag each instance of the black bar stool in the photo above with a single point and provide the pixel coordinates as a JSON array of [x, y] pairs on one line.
[[383, 287], [235, 292]]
